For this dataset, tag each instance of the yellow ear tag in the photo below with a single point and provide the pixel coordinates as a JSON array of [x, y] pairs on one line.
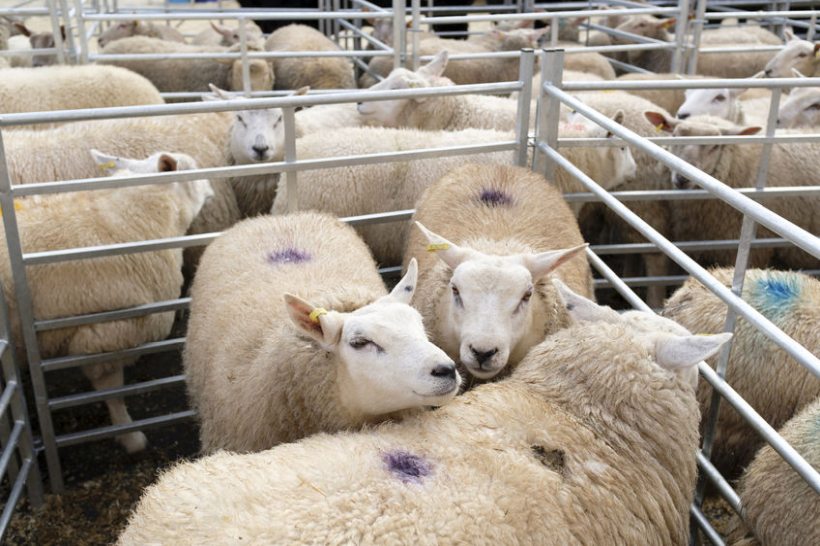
[[316, 313], [435, 247], [659, 127], [817, 53], [107, 165]]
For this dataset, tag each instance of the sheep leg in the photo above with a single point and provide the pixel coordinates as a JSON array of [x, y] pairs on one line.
[[111, 376]]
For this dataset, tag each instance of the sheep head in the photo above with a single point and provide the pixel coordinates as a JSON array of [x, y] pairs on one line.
[[800, 55], [721, 103], [800, 109], [385, 361]]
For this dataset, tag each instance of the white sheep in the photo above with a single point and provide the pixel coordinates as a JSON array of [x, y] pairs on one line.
[[800, 55], [668, 99], [73, 87], [762, 373], [591, 440], [225, 36], [63, 289], [381, 187], [780, 506], [314, 72], [261, 375], [485, 293], [188, 75], [736, 166], [725, 103], [37, 40], [126, 29], [800, 109]]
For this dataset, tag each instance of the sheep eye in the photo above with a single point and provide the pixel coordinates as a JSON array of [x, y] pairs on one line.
[[815, 106], [527, 295], [362, 342], [802, 54], [240, 120], [720, 98], [456, 294]]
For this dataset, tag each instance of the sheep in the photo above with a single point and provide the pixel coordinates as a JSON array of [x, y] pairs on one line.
[[63, 289], [225, 36], [205, 137], [725, 103], [485, 295], [126, 29], [469, 71], [587, 62], [73, 87], [800, 55], [4, 63], [289, 368], [372, 188], [44, 40], [315, 72], [18, 40], [668, 99], [186, 75], [780, 506], [800, 109], [591, 440], [764, 375], [736, 166]]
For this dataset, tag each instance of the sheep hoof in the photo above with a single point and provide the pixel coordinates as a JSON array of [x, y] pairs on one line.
[[133, 441]]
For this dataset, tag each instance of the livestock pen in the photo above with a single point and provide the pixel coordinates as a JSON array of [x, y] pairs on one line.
[[537, 146]]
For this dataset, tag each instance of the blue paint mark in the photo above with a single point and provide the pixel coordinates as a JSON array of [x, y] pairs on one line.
[[406, 466], [494, 198], [774, 292], [288, 256]]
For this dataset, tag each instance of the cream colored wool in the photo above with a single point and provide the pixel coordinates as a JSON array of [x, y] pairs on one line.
[[668, 99], [255, 380], [800, 109], [589, 442], [73, 87], [588, 62], [452, 208], [780, 505], [62, 154], [762, 373], [315, 72], [366, 189], [226, 36], [190, 75], [78, 287], [126, 29]]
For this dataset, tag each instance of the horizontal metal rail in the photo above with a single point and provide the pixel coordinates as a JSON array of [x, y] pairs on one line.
[[712, 83], [543, 16], [85, 398], [697, 195], [73, 361], [779, 138], [64, 440], [119, 314], [261, 15]]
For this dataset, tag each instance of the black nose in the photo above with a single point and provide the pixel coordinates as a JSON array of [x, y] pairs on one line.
[[768, 72], [483, 356], [444, 370], [260, 150], [680, 182], [682, 115]]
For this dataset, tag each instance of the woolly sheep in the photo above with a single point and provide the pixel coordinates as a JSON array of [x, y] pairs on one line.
[[764, 375], [315, 72], [73, 87], [800, 109], [486, 295], [668, 99], [725, 103], [187, 75], [225, 36], [781, 507], [286, 370], [126, 29], [736, 166], [373, 188], [21, 44], [800, 55], [62, 289], [42, 40], [592, 439], [63, 155]]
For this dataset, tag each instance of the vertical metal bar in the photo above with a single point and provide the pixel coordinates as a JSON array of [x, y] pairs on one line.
[[399, 36], [290, 156], [555, 28], [697, 30], [336, 27], [6, 427], [414, 32], [549, 110], [522, 122], [243, 49], [55, 30], [66, 14], [812, 27], [24, 308], [681, 26], [78, 6]]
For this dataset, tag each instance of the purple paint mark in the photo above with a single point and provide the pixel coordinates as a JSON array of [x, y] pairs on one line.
[[406, 466], [288, 256], [494, 198]]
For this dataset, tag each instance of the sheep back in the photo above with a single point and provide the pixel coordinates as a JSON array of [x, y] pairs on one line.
[[316, 72]]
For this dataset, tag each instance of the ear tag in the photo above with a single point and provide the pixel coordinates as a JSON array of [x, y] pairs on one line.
[[435, 247], [107, 165], [817, 54], [316, 313], [659, 127]]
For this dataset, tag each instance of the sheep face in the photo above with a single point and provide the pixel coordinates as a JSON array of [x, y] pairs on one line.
[[385, 361], [721, 103], [118, 32], [44, 40], [800, 55], [709, 158], [618, 162], [647, 26], [257, 136], [260, 72], [800, 109], [490, 312], [671, 345]]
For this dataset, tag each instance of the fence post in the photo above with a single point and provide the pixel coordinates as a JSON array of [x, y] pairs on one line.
[[78, 7], [680, 37], [697, 29], [399, 35], [549, 110], [522, 122], [290, 156], [243, 49]]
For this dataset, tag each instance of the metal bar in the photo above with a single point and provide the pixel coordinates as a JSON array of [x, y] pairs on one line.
[[712, 83], [78, 12], [73, 361], [522, 120], [706, 527], [271, 15], [84, 253], [695, 195], [543, 16], [727, 244], [378, 218], [86, 398], [399, 35], [74, 438], [613, 279], [23, 477], [680, 36], [720, 483], [55, 29], [290, 156], [120, 314], [243, 50], [549, 110], [415, 30], [11, 446], [8, 393]]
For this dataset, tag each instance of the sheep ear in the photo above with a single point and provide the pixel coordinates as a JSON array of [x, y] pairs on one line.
[[323, 326], [497, 34], [541, 264], [617, 118], [535, 35], [22, 29], [580, 308], [166, 163], [661, 121], [224, 31], [526, 24], [741, 131], [108, 163], [448, 252], [62, 31], [788, 34], [403, 292], [737, 91], [435, 67], [667, 23], [816, 50], [219, 93], [679, 352], [301, 91]]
